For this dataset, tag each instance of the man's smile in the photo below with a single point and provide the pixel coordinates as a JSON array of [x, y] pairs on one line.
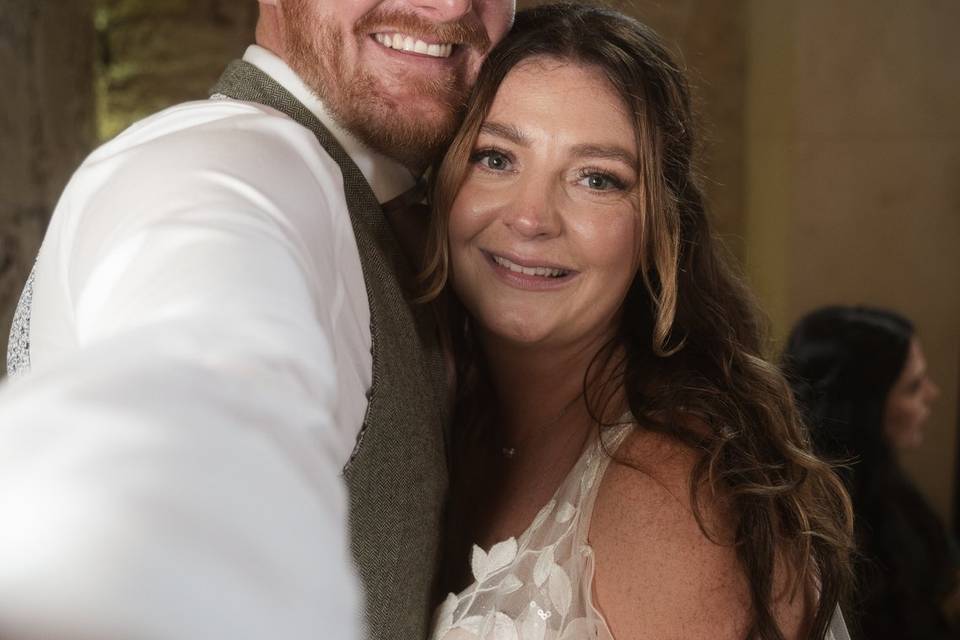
[[409, 44]]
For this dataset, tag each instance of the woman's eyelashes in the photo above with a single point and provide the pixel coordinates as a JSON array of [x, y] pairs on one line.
[[600, 180], [492, 159], [596, 179]]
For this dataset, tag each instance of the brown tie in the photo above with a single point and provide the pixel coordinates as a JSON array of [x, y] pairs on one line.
[[410, 219]]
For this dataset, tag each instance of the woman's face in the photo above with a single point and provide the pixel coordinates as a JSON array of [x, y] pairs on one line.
[[908, 403], [545, 232]]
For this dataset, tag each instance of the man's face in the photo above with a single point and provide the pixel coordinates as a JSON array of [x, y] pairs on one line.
[[393, 72]]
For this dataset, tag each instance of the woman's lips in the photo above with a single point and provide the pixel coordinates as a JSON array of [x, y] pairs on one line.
[[529, 274]]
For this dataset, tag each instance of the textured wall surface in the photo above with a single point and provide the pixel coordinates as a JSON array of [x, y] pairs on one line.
[[46, 124], [155, 53]]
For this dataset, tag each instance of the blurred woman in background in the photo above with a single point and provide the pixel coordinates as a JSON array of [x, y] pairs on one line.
[[861, 378]]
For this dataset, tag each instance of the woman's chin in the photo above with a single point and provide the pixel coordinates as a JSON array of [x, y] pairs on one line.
[[516, 331], [523, 338]]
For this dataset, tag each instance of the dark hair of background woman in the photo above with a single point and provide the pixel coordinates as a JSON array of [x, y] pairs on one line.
[[690, 342], [843, 363]]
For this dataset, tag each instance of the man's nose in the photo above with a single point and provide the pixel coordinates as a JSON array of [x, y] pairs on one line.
[[443, 10]]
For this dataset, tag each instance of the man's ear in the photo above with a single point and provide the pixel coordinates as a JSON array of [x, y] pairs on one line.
[[269, 33]]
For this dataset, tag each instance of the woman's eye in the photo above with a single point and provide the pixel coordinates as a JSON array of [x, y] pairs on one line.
[[493, 160], [600, 181]]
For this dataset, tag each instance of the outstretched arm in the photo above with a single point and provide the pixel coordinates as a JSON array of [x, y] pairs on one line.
[[174, 472]]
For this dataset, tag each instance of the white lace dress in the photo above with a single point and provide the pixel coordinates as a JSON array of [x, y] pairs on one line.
[[540, 586]]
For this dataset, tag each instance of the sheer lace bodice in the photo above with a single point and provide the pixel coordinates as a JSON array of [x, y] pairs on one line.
[[540, 586]]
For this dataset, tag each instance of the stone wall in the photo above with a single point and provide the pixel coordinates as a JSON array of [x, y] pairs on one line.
[[156, 53], [46, 124]]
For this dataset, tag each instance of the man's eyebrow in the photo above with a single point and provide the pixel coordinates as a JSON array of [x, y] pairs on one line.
[[611, 152], [507, 131]]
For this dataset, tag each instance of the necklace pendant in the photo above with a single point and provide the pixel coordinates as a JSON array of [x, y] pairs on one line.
[[508, 452]]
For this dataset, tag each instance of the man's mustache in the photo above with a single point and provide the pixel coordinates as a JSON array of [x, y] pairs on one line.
[[463, 32]]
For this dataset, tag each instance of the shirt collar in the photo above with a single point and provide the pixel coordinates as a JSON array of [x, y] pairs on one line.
[[387, 177]]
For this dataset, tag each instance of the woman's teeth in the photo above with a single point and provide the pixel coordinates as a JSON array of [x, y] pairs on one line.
[[544, 272], [402, 42]]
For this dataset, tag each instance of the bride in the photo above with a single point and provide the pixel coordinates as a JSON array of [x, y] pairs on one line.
[[627, 465]]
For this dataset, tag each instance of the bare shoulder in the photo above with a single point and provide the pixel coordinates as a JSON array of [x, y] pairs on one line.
[[658, 575]]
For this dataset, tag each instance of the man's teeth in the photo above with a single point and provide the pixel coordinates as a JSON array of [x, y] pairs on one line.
[[530, 271], [402, 42]]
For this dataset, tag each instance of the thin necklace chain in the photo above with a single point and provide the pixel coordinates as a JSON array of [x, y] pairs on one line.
[[511, 452]]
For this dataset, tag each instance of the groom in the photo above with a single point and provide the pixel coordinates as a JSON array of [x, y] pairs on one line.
[[217, 335]]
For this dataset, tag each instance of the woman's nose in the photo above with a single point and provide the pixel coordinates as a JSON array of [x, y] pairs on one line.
[[532, 216], [528, 226]]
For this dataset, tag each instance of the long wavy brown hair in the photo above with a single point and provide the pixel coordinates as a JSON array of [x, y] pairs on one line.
[[691, 339]]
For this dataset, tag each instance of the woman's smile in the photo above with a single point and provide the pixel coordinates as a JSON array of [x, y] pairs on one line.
[[526, 273]]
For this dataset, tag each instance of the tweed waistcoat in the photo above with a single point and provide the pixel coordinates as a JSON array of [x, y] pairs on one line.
[[397, 475]]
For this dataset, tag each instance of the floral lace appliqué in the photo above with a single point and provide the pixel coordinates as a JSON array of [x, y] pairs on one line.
[[537, 586]]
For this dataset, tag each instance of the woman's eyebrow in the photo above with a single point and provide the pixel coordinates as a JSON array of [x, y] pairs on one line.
[[508, 131], [516, 136], [611, 152]]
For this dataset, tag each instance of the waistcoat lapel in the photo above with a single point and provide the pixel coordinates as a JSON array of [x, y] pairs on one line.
[[18, 346], [397, 476]]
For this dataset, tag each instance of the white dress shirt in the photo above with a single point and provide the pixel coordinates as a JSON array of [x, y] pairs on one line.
[[200, 352]]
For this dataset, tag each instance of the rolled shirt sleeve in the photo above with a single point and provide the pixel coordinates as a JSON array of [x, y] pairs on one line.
[[171, 467]]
